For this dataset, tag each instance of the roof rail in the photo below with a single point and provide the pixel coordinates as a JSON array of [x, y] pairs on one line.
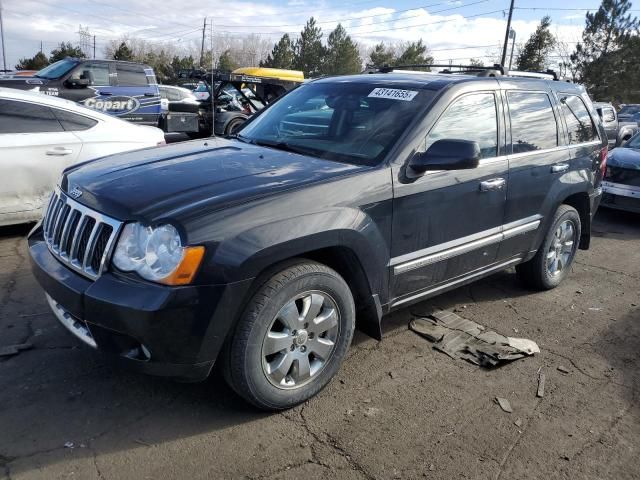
[[481, 71], [463, 68]]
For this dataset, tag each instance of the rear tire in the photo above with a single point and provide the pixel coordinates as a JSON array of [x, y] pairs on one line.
[[292, 337], [553, 260], [233, 126]]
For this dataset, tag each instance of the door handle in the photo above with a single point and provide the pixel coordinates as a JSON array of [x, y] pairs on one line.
[[59, 151], [105, 93], [149, 94], [560, 167], [492, 185]]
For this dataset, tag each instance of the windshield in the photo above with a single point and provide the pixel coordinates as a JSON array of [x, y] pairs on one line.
[[345, 122], [634, 142], [56, 70], [629, 110]]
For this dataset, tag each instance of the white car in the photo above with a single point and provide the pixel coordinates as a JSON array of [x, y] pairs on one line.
[[42, 135]]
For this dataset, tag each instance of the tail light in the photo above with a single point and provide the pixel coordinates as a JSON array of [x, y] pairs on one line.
[[603, 161]]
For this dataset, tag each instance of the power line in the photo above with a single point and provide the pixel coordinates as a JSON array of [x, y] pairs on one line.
[[342, 20]]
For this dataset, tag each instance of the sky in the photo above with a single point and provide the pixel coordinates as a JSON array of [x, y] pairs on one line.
[[454, 30]]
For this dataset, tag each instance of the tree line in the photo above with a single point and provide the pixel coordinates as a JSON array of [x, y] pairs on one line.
[[605, 60]]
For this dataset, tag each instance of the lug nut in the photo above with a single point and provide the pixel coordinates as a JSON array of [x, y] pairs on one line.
[[294, 333], [293, 347], [306, 325], [303, 348]]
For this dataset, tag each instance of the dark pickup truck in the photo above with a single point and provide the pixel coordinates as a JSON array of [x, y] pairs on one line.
[[263, 252]]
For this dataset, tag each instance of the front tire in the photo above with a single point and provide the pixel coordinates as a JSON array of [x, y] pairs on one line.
[[553, 260], [292, 337]]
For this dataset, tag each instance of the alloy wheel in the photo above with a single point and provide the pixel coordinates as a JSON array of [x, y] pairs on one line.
[[300, 340], [561, 249]]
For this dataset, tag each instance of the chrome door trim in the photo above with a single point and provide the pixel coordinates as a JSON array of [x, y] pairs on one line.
[[445, 251], [437, 289]]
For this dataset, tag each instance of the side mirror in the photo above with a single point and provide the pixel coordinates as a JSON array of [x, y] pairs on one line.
[[447, 155], [78, 83]]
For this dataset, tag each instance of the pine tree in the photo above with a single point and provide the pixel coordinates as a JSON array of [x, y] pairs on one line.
[[535, 53], [476, 62], [37, 62], [415, 53], [342, 57], [382, 55], [65, 50], [309, 51], [282, 55], [123, 53], [606, 60], [226, 62]]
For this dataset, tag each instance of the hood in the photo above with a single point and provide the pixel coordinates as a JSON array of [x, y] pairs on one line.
[[183, 178], [24, 83], [624, 157]]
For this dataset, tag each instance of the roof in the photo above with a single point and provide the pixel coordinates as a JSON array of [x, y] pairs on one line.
[[33, 96], [437, 80]]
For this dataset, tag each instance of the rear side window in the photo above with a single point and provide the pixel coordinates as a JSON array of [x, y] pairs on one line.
[[131, 75], [23, 117], [608, 115], [533, 124], [72, 122], [579, 123], [471, 117]]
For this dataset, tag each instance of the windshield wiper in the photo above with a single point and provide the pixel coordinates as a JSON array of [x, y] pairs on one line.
[[287, 147]]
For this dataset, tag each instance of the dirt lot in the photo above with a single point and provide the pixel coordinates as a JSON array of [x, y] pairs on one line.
[[397, 409]]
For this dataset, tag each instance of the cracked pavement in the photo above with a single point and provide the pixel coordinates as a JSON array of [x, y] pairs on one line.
[[397, 409]]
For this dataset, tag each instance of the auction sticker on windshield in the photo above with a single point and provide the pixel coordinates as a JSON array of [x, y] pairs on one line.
[[393, 94]]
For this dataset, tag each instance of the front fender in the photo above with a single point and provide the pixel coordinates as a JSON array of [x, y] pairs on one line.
[[254, 250]]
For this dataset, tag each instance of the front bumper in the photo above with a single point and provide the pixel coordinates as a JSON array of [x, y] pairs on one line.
[[168, 331], [621, 197]]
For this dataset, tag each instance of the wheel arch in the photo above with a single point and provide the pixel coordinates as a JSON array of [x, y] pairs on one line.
[[580, 201]]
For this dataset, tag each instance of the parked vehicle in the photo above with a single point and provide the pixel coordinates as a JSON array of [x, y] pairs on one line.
[[617, 131], [257, 251], [40, 136], [629, 112], [621, 185], [240, 94], [126, 90]]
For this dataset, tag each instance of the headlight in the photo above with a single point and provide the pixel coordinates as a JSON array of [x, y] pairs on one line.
[[156, 254]]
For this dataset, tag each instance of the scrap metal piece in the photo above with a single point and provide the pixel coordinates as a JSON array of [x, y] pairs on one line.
[[541, 379], [504, 404], [462, 338]]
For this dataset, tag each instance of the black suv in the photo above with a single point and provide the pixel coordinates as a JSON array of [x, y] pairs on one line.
[[347, 198]]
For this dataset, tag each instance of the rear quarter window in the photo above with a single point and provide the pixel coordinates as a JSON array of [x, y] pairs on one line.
[[533, 123], [72, 122], [580, 125]]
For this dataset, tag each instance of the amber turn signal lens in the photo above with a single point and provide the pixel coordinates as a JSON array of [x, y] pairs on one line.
[[188, 267]]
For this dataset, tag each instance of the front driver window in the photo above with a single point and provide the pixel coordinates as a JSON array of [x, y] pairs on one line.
[[471, 117], [96, 73]]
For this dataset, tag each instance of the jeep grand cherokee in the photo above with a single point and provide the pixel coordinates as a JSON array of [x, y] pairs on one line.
[[350, 196]]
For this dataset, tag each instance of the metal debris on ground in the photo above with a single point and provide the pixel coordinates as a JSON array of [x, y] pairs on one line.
[[14, 349], [518, 423], [462, 338], [504, 404], [562, 369], [541, 379]]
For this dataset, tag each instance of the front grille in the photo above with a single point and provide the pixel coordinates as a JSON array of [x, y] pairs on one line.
[[79, 237]]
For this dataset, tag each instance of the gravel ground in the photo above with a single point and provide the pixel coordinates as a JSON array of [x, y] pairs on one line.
[[397, 409]]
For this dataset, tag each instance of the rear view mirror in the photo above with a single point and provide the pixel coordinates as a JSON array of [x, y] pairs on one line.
[[447, 155]]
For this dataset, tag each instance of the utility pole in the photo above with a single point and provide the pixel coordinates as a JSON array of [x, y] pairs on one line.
[[213, 85], [94, 47], [506, 35], [512, 35], [4, 54], [204, 29], [40, 46]]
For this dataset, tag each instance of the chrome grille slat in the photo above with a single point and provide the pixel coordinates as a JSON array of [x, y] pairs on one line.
[[77, 235]]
